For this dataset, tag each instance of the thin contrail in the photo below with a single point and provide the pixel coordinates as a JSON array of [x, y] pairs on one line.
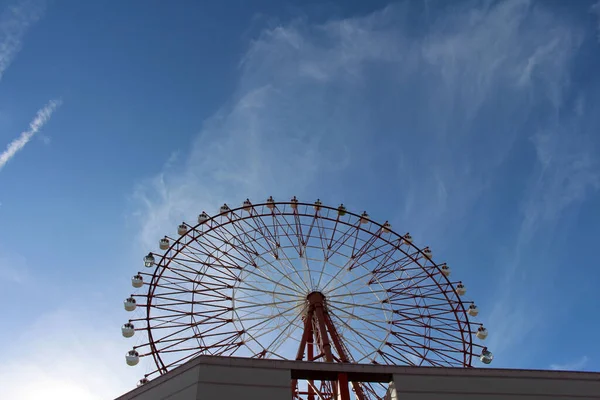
[[38, 122], [14, 23]]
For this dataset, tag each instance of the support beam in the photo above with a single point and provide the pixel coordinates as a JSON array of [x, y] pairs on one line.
[[319, 330]]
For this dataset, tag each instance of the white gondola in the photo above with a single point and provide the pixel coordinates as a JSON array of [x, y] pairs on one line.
[[445, 269], [202, 218], [132, 358], [137, 281], [341, 210], [364, 218], [318, 204], [294, 202], [247, 205], [128, 330], [473, 310], [482, 333], [427, 253], [129, 304], [142, 382], [163, 243], [461, 289], [224, 209], [386, 227], [407, 238], [486, 356], [149, 259], [270, 203], [182, 229]]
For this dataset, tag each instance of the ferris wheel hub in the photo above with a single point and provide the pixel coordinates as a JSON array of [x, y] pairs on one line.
[[315, 298]]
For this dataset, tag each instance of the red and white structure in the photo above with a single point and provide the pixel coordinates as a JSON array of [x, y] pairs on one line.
[[305, 282]]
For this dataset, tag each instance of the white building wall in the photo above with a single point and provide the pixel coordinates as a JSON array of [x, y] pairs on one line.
[[224, 378], [497, 385]]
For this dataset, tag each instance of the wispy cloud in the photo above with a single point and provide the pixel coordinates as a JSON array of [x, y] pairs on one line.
[[423, 127], [15, 20], [306, 109], [575, 365], [13, 268], [77, 357], [38, 122], [566, 172], [596, 10]]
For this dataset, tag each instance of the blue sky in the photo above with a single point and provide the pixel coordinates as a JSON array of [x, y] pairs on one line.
[[473, 125]]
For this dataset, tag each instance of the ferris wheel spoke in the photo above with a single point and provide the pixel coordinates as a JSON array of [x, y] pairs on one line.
[[367, 323], [443, 353], [366, 248], [322, 272], [370, 306], [264, 277], [254, 305], [446, 343], [172, 344], [350, 342], [407, 352], [255, 336], [214, 254], [353, 316], [350, 282], [265, 332], [244, 247], [189, 255], [400, 359], [378, 255], [175, 337], [408, 342], [313, 217], [407, 331], [440, 323], [217, 254], [322, 237], [401, 355], [252, 282], [271, 318], [351, 232], [285, 333], [295, 231], [264, 320], [261, 227], [248, 244], [418, 322], [192, 352], [331, 237], [260, 297], [176, 281], [298, 247], [271, 264]]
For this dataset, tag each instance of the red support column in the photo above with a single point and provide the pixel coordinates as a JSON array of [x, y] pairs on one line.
[[343, 387]]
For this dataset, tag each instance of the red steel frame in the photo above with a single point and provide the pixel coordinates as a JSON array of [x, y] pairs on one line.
[[320, 339], [318, 330]]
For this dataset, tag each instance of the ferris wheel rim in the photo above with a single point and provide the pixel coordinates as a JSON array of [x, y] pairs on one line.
[[212, 224]]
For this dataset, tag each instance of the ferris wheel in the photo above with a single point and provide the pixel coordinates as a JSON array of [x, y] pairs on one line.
[[299, 281]]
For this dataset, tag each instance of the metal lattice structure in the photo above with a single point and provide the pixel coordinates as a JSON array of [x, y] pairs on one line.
[[300, 281]]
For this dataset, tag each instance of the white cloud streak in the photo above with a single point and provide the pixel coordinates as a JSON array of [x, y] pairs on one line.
[[41, 118], [315, 105], [15, 20], [576, 365]]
